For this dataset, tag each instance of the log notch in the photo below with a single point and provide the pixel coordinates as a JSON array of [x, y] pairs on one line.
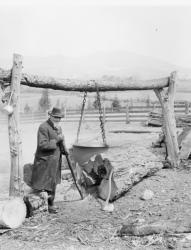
[[16, 183], [169, 124], [12, 213]]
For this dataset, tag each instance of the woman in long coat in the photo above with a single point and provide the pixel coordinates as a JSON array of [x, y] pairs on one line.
[[46, 172]]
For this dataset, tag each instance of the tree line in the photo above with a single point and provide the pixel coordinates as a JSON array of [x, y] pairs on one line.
[[45, 104], [115, 103]]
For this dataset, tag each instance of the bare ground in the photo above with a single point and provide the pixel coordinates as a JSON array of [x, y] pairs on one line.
[[81, 224]]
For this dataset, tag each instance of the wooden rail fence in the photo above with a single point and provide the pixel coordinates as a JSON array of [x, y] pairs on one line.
[[128, 114]]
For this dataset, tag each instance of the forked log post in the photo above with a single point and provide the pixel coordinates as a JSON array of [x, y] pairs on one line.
[[16, 187], [88, 85], [166, 100]]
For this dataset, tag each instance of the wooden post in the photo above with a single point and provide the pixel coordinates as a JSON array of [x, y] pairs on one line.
[[16, 176], [153, 108], [127, 114], [186, 107], [169, 122], [32, 116], [65, 113], [104, 114]]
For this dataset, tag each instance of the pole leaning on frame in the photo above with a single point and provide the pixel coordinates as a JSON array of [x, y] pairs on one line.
[[16, 176]]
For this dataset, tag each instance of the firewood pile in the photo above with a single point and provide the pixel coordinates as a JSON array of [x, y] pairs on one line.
[[95, 173], [155, 119]]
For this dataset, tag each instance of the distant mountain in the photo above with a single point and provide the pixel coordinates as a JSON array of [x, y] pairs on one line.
[[106, 65], [118, 63]]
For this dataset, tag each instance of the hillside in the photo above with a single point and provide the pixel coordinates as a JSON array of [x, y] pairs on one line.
[[118, 63], [112, 63], [102, 64]]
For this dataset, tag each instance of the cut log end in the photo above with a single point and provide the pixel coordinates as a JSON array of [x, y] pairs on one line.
[[12, 213]]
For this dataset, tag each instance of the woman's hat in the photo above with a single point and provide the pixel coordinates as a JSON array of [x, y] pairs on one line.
[[56, 112]]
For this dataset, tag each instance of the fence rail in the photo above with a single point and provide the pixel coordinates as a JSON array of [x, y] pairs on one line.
[[128, 114]]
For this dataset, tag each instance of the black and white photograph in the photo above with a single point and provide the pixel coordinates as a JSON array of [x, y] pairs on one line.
[[95, 124]]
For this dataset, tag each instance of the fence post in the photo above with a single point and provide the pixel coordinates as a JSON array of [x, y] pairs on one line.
[[186, 107], [154, 106], [46, 115], [32, 116], [127, 114], [65, 113], [104, 114]]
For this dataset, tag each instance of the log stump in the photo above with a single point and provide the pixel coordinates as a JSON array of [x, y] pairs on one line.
[[36, 202]]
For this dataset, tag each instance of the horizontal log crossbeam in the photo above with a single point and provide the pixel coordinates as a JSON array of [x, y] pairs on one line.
[[88, 85]]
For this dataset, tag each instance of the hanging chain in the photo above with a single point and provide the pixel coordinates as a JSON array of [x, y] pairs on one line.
[[100, 115], [82, 113]]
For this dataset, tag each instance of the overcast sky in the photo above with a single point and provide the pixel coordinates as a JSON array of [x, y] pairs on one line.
[[43, 28]]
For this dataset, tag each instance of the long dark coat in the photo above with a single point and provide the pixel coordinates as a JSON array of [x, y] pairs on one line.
[[47, 163]]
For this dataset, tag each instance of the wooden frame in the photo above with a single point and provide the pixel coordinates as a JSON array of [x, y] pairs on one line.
[[15, 77]]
